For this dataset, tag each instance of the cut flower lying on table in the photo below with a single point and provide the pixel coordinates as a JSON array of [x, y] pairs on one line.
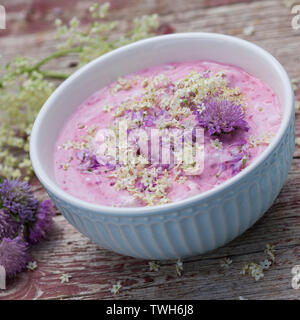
[[24, 221]]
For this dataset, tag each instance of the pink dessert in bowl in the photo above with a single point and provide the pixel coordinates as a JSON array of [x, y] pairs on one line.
[[196, 215], [188, 127]]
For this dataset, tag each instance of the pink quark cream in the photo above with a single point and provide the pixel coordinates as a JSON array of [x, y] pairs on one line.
[[164, 134]]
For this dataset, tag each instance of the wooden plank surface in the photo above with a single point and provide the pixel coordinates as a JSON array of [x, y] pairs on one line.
[[94, 270]]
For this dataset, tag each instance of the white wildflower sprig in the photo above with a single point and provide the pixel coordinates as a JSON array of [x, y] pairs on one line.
[[32, 265], [270, 251], [265, 264], [266, 138], [253, 269], [179, 267], [154, 266], [256, 270], [216, 144], [65, 277], [226, 263], [249, 30], [107, 108], [116, 288]]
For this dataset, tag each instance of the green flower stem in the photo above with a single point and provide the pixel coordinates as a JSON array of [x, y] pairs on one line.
[[54, 74], [50, 74], [55, 55]]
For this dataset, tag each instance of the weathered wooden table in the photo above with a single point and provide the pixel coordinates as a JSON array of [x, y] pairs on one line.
[[93, 269]]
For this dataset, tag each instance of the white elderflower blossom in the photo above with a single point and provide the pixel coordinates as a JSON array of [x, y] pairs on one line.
[[32, 265], [68, 145], [116, 288], [217, 144], [265, 265], [266, 138], [179, 267], [65, 166], [249, 30], [107, 108], [153, 266], [252, 269], [270, 251], [225, 263], [65, 277]]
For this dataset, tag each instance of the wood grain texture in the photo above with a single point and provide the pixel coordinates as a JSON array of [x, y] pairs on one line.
[[94, 270]]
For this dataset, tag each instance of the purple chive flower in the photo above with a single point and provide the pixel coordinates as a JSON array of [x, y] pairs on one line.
[[43, 223], [18, 199], [138, 116], [13, 255], [165, 115], [222, 117], [141, 186], [110, 166], [222, 168], [237, 163], [163, 167], [238, 143], [149, 120], [205, 74], [8, 225], [88, 161]]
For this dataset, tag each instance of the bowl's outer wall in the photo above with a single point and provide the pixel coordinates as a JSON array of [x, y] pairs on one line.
[[198, 226]]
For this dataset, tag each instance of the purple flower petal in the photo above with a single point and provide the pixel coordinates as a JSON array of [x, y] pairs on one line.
[[18, 199], [13, 255], [88, 161], [222, 117], [43, 223], [9, 227]]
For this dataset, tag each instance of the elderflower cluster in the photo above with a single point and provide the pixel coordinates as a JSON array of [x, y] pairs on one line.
[[154, 266], [253, 269], [216, 144], [25, 86], [266, 138], [156, 192], [270, 251], [179, 267], [226, 263], [25, 94], [126, 178], [256, 270], [122, 84], [116, 288], [198, 87]]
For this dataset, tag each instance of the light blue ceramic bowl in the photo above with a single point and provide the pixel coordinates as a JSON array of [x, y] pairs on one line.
[[188, 227]]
